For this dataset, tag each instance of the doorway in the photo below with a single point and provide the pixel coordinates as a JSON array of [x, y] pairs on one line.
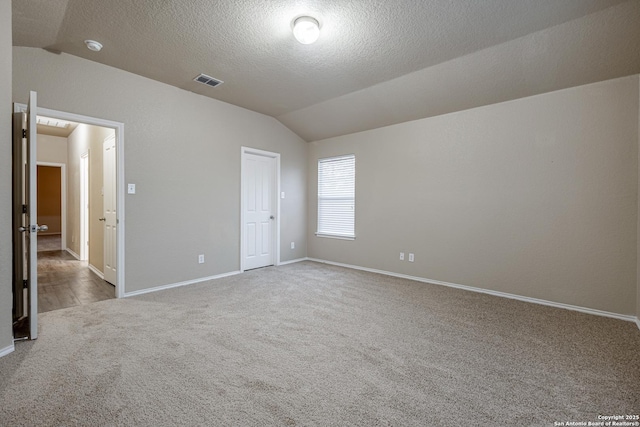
[[52, 203], [260, 209], [67, 256], [74, 273]]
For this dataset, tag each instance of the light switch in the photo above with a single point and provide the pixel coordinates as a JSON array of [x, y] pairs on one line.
[[282, 195], [131, 189]]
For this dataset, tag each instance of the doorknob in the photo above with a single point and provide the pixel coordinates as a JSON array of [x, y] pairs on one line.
[[102, 219], [33, 228], [271, 217]]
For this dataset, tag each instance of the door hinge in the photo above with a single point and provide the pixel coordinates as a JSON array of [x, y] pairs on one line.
[[25, 284], [24, 133], [24, 208]]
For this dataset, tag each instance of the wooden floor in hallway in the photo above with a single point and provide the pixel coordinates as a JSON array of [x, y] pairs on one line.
[[63, 281]]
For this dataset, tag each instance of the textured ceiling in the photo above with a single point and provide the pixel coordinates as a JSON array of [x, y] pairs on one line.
[[377, 62]]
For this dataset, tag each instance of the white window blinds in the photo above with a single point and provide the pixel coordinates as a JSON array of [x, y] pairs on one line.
[[337, 196]]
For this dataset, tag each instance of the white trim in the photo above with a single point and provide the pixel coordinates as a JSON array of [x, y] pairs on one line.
[[335, 236], [84, 196], [638, 322], [248, 150], [32, 201], [73, 254], [63, 195], [293, 261], [7, 350], [488, 291], [175, 285], [119, 129], [98, 272]]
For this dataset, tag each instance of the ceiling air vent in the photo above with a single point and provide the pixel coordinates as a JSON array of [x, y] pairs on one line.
[[208, 80]]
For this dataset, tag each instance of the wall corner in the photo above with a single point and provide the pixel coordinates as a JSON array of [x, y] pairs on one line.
[[6, 298], [638, 214]]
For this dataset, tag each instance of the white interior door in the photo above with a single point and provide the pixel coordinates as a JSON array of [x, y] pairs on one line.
[[109, 206], [259, 186], [26, 207]]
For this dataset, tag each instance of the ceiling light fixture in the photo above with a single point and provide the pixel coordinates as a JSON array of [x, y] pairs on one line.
[[93, 45], [306, 29]]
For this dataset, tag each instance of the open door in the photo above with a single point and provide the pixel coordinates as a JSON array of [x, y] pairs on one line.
[[109, 206], [25, 217]]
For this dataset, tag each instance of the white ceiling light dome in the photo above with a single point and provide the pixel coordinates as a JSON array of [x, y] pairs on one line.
[[306, 29], [93, 45]]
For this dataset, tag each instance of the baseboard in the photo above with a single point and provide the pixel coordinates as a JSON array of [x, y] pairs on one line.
[[293, 261], [73, 254], [638, 322], [489, 292], [7, 350], [95, 270], [175, 285]]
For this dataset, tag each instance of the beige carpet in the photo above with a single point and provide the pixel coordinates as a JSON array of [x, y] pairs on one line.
[[314, 345]]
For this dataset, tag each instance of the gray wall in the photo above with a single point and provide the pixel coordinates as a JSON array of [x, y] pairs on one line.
[[536, 197], [182, 151], [6, 334]]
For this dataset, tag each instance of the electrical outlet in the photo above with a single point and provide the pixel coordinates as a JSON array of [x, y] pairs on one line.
[[411, 257], [201, 259], [401, 256], [293, 245]]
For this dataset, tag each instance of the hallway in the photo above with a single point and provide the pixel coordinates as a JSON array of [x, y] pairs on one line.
[[63, 281]]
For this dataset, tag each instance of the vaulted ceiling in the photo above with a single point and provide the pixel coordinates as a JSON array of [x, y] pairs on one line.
[[377, 62]]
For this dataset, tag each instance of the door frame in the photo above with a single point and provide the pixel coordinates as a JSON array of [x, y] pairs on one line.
[[63, 195], [118, 127], [85, 161], [275, 200]]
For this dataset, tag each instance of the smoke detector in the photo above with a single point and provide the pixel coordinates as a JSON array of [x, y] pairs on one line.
[[93, 45]]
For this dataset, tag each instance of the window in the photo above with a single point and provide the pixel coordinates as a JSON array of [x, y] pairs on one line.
[[337, 197]]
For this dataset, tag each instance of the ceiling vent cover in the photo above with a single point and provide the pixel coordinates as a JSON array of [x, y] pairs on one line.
[[208, 80]]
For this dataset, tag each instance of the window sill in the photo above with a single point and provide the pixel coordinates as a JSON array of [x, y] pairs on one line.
[[335, 236]]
